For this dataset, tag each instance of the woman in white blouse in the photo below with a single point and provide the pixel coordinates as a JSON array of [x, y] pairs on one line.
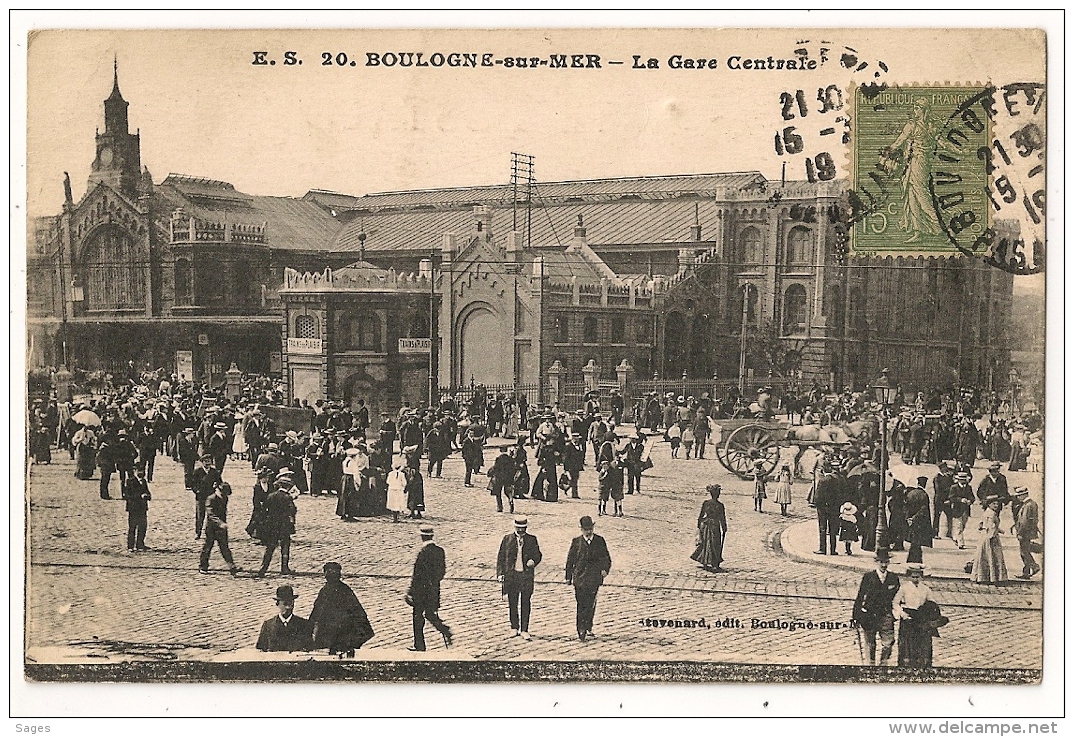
[[916, 614]]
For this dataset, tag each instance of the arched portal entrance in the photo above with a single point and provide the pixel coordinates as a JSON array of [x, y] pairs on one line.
[[486, 348]]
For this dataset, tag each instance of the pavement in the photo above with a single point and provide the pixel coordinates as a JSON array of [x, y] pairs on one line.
[[943, 560], [89, 600]]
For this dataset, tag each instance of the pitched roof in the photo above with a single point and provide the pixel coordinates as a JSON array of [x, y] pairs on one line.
[[291, 224]]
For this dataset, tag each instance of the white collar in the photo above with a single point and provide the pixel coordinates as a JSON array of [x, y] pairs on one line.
[[286, 621]]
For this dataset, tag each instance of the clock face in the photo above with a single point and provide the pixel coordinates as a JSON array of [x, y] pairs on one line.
[[106, 155]]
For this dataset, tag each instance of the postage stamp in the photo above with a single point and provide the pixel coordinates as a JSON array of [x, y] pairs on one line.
[[901, 158]]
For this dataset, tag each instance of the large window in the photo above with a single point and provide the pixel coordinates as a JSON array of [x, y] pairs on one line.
[[184, 283], [115, 280], [589, 329], [618, 326], [359, 332], [562, 328], [794, 310], [750, 250], [241, 281], [799, 247]]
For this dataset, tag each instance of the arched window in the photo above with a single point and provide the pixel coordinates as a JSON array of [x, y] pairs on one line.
[[750, 248], [184, 283], [359, 332], [794, 310], [114, 278], [799, 247], [305, 326], [589, 329]]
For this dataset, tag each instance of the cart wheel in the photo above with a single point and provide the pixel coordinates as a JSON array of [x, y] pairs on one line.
[[749, 444]]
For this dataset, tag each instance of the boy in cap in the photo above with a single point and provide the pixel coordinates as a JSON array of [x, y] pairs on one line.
[[286, 632], [588, 563], [519, 555], [423, 596]]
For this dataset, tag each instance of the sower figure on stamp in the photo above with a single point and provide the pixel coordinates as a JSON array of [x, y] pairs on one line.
[[588, 563], [286, 632], [515, 563], [423, 596], [872, 608]]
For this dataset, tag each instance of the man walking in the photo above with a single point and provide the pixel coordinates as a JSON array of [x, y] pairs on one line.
[[941, 490], [423, 596], [588, 563], [993, 487], [959, 504], [203, 482], [1027, 529], [518, 557], [279, 525], [872, 608], [136, 494], [216, 528], [828, 498]]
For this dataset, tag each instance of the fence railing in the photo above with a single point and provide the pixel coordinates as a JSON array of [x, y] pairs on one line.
[[465, 393]]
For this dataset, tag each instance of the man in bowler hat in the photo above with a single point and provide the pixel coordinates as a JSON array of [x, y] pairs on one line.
[[872, 607], [286, 632], [588, 562], [518, 557], [423, 596], [279, 525]]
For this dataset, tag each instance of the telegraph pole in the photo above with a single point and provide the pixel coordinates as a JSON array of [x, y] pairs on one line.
[[432, 331], [742, 345]]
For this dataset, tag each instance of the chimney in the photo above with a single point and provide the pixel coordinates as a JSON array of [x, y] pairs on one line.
[[514, 246], [425, 268], [538, 266], [483, 221], [695, 232], [578, 240], [447, 248]]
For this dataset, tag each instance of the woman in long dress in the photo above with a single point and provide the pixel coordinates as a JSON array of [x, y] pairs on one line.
[[415, 493], [988, 563], [397, 479], [918, 617], [85, 444], [783, 488], [238, 445], [711, 531], [348, 504]]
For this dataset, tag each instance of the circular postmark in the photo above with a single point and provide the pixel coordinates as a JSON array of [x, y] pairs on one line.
[[994, 144]]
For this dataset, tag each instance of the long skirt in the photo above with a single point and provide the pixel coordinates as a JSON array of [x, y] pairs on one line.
[[369, 504], [1018, 459], [299, 470], [915, 645], [709, 552], [347, 506], [988, 563], [521, 483], [84, 460]]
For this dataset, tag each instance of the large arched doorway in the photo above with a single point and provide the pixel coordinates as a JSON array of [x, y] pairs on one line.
[[486, 351]]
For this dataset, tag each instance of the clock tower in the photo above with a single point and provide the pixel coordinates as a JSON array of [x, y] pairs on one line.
[[119, 160]]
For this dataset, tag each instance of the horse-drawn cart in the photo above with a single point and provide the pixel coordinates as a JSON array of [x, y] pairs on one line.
[[744, 442]]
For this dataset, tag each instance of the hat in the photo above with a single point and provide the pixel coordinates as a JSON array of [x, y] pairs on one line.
[[1021, 491], [291, 434], [207, 457], [352, 452], [521, 521], [220, 426], [882, 556], [426, 530], [264, 472], [586, 523], [332, 566], [272, 446], [285, 593], [994, 466], [962, 476], [915, 568], [122, 431], [922, 480], [285, 474]]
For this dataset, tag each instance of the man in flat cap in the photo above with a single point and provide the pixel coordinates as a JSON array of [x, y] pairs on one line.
[[518, 557], [286, 632], [588, 562], [423, 596], [279, 525], [339, 621]]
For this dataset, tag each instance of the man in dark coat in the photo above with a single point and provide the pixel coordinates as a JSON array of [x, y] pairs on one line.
[[423, 596], [519, 555], [216, 528], [574, 462], [1026, 529], [147, 445], [219, 446], [872, 607], [203, 482], [588, 563], [472, 454], [993, 487], [339, 621], [136, 494], [829, 498], [632, 461], [187, 452], [124, 453], [279, 525], [286, 632], [941, 490], [502, 476], [918, 520]]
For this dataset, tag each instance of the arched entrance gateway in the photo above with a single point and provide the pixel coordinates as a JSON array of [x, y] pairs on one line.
[[485, 347]]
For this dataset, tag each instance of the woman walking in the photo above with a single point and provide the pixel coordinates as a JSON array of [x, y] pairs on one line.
[[85, 445], [711, 532], [783, 488], [988, 563]]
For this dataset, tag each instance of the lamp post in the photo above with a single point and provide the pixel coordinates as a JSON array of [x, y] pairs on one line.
[[1012, 379], [886, 395], [742, 346]]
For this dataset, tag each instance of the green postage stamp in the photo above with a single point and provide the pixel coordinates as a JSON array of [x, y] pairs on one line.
[[899, 149]]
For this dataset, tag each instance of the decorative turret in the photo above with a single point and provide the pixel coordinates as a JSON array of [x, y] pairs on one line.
[[119, 160]]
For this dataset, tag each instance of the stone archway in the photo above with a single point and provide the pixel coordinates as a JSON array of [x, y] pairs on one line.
[[485, 347]]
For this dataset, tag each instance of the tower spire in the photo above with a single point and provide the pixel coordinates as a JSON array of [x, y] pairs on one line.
[[116, 95]]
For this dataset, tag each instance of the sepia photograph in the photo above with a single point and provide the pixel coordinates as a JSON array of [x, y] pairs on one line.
[[709, 355]]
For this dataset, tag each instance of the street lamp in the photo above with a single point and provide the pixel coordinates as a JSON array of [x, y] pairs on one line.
[[886, 395], [742, 346]]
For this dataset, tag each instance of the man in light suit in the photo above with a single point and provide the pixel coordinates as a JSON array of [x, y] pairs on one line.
[[588, 562], [518, 557], [424, 593]]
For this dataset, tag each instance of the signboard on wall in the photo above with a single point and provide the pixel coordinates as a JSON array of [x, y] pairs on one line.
[[415, 345], [203, 339], [275, 362], [184, 365], [304, 346]]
